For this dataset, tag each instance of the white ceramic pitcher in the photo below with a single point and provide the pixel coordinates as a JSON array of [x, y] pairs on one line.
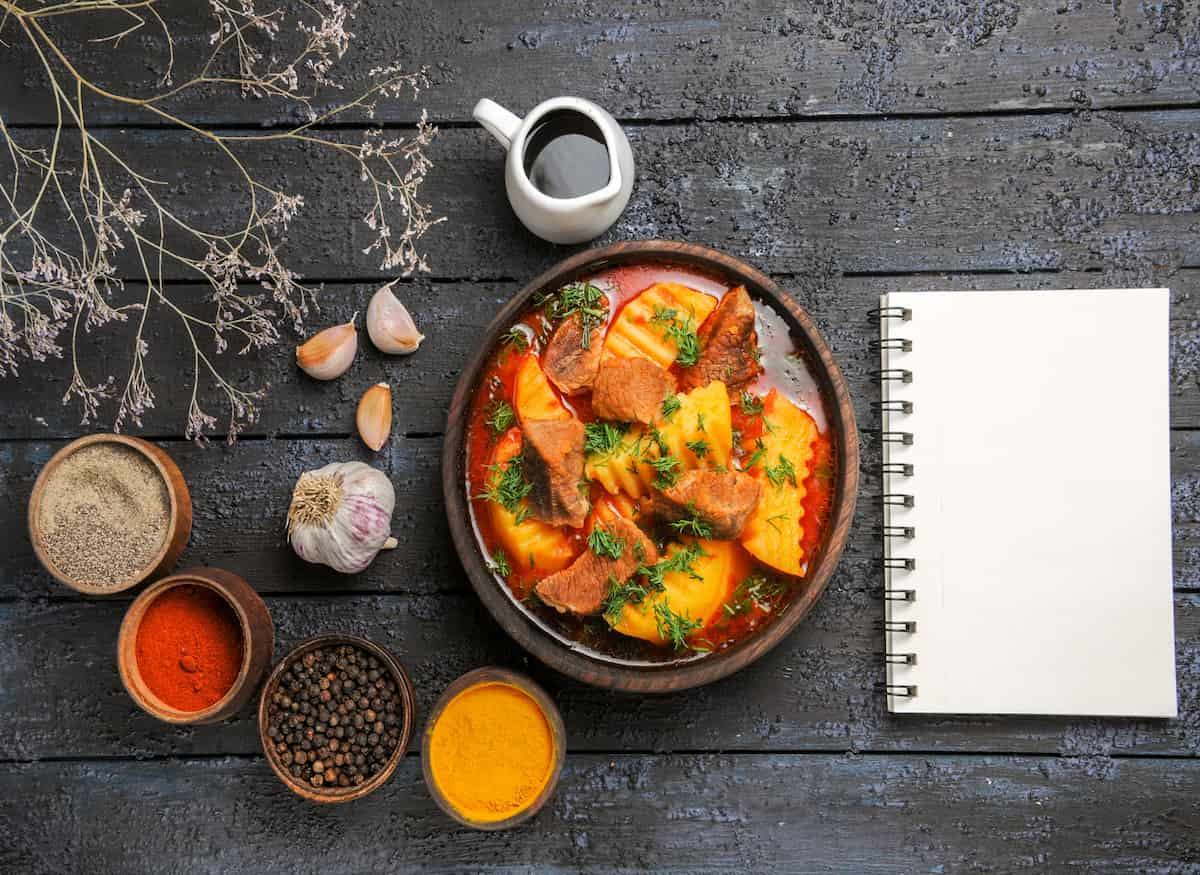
[[570, 219]]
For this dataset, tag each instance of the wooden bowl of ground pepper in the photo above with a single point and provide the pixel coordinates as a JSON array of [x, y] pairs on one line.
[[109, 512], [335, 717], [194, 646]]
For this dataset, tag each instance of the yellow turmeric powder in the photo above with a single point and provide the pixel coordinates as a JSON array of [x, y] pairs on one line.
[[491, 752]]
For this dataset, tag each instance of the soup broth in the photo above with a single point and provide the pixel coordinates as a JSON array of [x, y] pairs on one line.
[[742, 592]]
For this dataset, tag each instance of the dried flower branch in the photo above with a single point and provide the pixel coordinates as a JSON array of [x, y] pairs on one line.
[[53, 283]]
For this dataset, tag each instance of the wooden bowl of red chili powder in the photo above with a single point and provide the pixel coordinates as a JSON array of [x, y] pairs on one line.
[[194, 646]]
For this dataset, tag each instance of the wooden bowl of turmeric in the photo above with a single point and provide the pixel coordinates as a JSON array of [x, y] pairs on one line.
[[194, 646], [493, 749]]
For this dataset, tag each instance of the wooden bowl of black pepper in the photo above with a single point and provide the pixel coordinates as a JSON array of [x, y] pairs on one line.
[[329, 745], [109, 512]]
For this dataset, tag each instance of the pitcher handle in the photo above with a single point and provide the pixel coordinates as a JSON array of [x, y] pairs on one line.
[[500, 123]]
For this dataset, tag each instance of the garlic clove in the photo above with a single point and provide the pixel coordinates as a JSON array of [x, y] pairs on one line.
[[375, 415], [327, 354], [389, 324]]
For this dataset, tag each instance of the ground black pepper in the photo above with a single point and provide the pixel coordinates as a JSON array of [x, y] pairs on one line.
[[335, 718]]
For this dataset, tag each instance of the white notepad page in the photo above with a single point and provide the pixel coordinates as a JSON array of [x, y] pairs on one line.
[[1042, 503]]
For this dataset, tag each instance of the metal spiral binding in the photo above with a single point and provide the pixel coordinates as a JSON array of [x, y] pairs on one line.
[[891, 592]]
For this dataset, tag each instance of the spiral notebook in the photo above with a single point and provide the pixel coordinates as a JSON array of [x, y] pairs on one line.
[[1027, 506]]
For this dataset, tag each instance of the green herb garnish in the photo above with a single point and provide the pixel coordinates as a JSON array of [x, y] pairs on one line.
[[582, 298], [670, 406], [667, 467], [604, 544], [502, 417], [602, 438], [757, 589], [500, 564], [692, 524], [751, 406], [682, 332], [699, 447], [773, 521], [785, 470], [682, 560], [620, 595], [760, 451], [508, 487], [672, 626], [516, 338]]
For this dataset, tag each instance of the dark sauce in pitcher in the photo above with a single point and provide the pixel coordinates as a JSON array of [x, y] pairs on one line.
[[565, 155]]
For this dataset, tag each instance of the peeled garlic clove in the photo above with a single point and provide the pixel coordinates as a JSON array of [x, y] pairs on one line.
[[329, 353], [375, 415], [391, 327]]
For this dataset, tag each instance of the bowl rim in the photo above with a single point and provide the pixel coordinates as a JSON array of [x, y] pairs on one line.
[[148, 451], [573, 661], [407, 696], [127, 665], [486, 675]]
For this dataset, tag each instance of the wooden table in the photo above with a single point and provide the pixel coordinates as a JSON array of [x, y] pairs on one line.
[[846, 148]]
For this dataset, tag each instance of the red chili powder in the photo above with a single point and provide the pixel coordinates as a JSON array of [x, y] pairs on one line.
[[189, 647]]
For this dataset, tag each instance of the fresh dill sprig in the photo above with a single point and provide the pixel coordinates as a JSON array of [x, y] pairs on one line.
[[692, 524], [501, 418], [751, 405], [682, 560], [620, 595], [757, 589], [699, 447], [700, 421], [670, 406], [673, 627], [667, 467], [785, 470], [583, 298], [605, 544], [516, 338], [773, 521], [500, 564], [760, 452], [602, 438], [508, 487], [682, 332]]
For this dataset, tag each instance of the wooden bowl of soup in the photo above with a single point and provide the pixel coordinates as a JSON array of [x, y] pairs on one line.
[[650, 466]]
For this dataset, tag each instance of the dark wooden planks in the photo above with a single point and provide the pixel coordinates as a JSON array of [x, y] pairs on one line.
[[240, 497], [1116, 192], [695, 813], [700, 59], [814, 692], [453, 315]]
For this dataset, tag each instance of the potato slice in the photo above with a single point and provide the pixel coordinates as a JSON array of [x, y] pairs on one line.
[[691, 598], [702, 420], [533, 396], [623, 469], [530, 545], [634, 333], [773, 532]]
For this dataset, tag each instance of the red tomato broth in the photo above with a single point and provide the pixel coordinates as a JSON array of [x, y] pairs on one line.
[[784, 370]]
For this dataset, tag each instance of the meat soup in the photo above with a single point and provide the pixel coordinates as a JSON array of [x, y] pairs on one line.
[[649, 464]]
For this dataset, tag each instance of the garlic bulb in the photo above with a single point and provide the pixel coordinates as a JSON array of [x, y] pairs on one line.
[[374, 416], [391, 327], [329, 353], [341, 516]]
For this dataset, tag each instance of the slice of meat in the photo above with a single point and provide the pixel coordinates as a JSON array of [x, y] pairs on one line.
[[582, 586], [569, 365], [631, 390], [722, 500], [554, 466], [728, 345]]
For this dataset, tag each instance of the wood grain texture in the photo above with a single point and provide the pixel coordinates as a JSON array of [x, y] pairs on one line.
[[704, 58], [689, 813], [454, 315], [1091, 190], [814, 692]]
